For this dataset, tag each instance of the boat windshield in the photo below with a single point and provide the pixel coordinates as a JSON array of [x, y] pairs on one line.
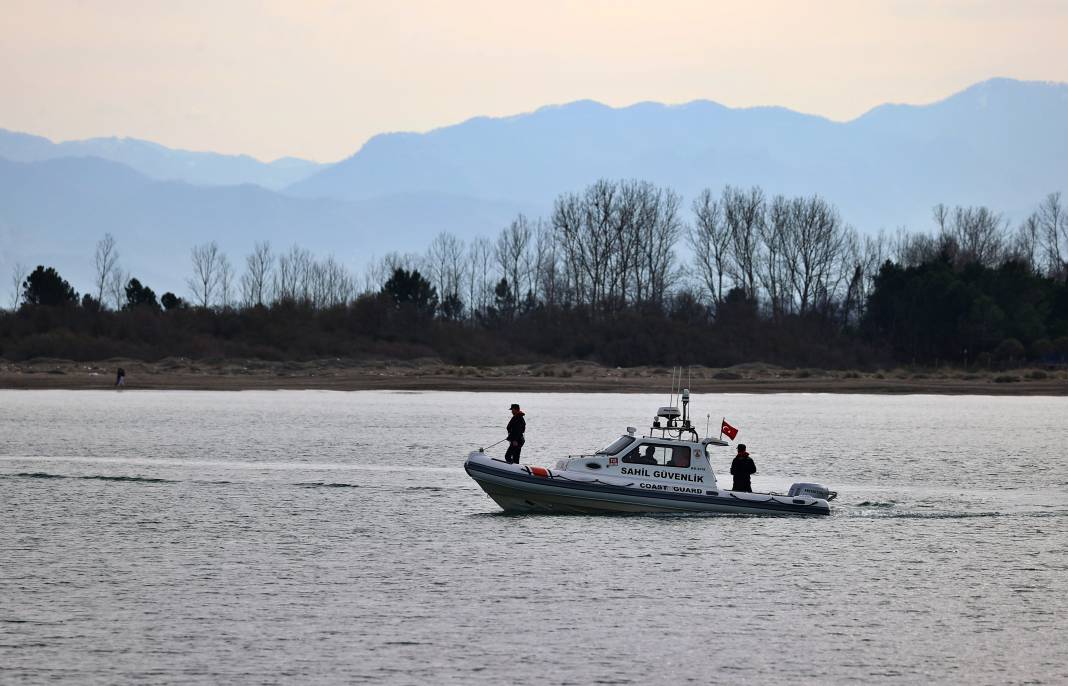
[[619, 444]]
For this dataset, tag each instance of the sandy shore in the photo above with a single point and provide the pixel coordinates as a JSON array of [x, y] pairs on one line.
[[347, 375]]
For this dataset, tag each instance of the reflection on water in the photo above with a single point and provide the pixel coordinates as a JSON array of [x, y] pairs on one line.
[[334, 537]]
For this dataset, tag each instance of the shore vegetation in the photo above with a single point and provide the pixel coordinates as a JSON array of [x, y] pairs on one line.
[[620, 274]]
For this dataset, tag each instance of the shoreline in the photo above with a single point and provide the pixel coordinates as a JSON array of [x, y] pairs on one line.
[[566, 377]]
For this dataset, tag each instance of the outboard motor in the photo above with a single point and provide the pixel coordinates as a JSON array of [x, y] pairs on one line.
[[813, 491]]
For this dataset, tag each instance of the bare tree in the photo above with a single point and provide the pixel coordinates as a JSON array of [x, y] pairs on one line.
[[772, 267], [531, 261], [616, 244], [293, 276], [568, 223], [340, 282], [744, 214], [106, 261], [1025, 243], [330, 283], [912, 249], [19, 272], [445, 264], [299, 277], [861, 262], [408, 261], [631, 211], [303, 264], [851, 250], [977, 234], [710, 239], [207, 265], [378, 271], [511, 250], [812, 247], [116, 288], [546, 264], [1054, 228], [226, 282], [592, 230], [658, 228], [584, 226], [372, 277], [285, 282], [256, 281], [941, 217], [479, 274]]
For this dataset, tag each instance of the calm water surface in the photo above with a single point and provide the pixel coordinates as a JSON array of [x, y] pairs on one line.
[[300, 537]]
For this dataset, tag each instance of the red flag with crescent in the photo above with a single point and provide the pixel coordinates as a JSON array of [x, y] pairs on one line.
[[728, 430]]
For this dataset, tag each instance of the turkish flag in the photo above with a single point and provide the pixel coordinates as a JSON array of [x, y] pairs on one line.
[[728, 430]]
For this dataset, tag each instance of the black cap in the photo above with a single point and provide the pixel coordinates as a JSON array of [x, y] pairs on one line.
[[515, 406]]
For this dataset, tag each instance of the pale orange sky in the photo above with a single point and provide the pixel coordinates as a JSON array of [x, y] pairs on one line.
[[315, 78]]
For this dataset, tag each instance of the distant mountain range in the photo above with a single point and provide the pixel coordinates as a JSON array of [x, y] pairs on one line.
[[53, 212], [1001, 143], [161, 163]]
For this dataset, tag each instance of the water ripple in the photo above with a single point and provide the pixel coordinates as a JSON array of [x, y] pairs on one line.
[[335, 538]]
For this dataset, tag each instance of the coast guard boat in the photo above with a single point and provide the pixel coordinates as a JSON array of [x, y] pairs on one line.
[[668, 470]]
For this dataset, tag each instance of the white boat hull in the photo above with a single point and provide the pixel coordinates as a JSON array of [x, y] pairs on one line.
[[518, 488]]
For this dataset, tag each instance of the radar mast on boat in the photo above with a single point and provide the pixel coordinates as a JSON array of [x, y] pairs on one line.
[[676, 424]]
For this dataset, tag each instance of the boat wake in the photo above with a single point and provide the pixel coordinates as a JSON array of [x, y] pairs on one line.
[[882, 511], [97, 477], [230, 464], [884, 514], [323, 484]]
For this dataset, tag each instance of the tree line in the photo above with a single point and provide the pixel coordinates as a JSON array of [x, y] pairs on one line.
[[621, 272]]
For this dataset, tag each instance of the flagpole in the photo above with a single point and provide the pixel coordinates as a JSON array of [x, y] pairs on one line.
[[721, 428]]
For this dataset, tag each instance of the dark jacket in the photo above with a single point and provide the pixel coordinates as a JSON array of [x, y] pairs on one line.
[[742, 468], [516, 426]]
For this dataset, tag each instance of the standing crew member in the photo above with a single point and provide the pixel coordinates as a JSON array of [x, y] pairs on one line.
[[120, 377], [516, 426], [741, 469]]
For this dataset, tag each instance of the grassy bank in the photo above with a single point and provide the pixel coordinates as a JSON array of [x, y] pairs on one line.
[[432, 374]]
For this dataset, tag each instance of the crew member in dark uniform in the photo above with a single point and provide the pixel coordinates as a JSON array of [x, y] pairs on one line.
[[516, 426], [741, 469]]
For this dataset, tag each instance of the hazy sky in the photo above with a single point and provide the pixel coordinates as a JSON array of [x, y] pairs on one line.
[[315, 78]]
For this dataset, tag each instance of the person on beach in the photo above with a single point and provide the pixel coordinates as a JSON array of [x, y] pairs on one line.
[[120, 377], [516, 426], [742, 468]]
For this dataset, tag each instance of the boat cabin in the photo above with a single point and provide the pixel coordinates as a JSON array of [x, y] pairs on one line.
[[654, 459], [677, 459]]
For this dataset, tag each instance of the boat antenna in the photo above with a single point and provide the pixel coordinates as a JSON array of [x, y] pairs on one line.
[[708, 422]]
